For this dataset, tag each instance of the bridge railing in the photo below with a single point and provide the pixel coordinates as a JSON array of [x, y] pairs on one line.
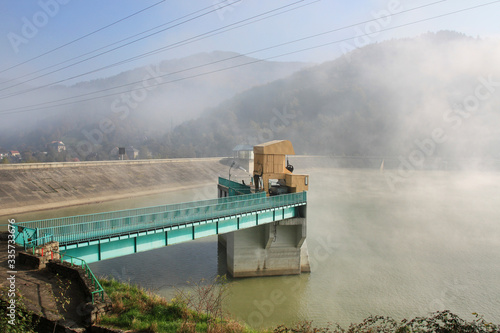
[[99, 290], [234, 187], [24, 235], [38, 242], [122, 225], [28, 238], [62, 221]]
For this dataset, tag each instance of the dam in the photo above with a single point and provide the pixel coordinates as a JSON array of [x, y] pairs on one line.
[[40, 186]]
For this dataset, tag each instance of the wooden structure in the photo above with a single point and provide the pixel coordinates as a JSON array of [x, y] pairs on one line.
[[270, 164]]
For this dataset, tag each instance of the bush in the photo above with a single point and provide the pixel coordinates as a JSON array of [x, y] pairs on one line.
[[438, 322], [24, 321]]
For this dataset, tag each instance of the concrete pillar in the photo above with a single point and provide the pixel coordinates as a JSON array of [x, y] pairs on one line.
[[267, 250]]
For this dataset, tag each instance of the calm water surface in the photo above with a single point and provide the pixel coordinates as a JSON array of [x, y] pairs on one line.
[[431, 243]]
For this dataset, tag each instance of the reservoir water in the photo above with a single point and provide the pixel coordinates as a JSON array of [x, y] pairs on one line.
[[430, 241]]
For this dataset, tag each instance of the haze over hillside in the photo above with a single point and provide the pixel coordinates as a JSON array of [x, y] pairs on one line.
[[149, 101], [438, 94]]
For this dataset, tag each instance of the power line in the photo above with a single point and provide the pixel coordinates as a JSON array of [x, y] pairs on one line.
[[108, 51], [82, 37], [209, 34], [211, 72], [194, 39], [171, 46], [106, 46], [237, 56], [182, 44], [236, 25], [39, 106]]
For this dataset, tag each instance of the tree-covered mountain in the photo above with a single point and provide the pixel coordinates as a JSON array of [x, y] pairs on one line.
[[437, 94]]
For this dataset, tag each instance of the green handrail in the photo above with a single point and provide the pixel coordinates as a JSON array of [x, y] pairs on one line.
[[99, 290], [21, 230], [62, 221], [37, 242], [234, 187], [95, 229]]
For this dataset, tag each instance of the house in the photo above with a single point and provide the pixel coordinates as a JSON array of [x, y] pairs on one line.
[[243, 156], [120, 152], [114, 151], [132, 153], [14, 156], [58, 145], [243, 152]]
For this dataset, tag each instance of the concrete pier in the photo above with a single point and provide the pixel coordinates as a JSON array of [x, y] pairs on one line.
[[267, 250]]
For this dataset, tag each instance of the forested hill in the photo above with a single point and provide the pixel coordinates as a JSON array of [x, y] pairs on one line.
[[385, 99], [155, 99]]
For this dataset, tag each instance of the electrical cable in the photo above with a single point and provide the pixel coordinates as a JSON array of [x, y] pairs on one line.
[[108, 51], [106, 46], [239, 55], [206, 36], [39, 106], [200, 37], [80, 38]]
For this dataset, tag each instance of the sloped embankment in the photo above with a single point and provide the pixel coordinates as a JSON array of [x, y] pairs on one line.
[[30, 187]]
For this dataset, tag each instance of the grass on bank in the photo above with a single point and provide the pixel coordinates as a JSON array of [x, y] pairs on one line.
[[20, 319], [136, 309]]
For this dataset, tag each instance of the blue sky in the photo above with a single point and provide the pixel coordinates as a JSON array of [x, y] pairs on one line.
[[31, 28]]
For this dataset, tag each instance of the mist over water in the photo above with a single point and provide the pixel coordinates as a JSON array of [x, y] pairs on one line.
[[432, 244]]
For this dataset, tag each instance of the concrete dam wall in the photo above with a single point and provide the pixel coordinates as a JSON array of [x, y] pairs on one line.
[[31, 187]]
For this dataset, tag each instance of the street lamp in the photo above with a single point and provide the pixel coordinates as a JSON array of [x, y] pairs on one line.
[[232, 165]]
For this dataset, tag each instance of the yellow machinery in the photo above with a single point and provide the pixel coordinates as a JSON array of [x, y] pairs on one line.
[[272, 172]]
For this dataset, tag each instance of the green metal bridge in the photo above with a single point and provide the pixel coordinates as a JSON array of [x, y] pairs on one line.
[[100, 236]]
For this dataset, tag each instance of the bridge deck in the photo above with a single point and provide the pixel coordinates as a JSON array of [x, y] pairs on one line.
[[75, 229]]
